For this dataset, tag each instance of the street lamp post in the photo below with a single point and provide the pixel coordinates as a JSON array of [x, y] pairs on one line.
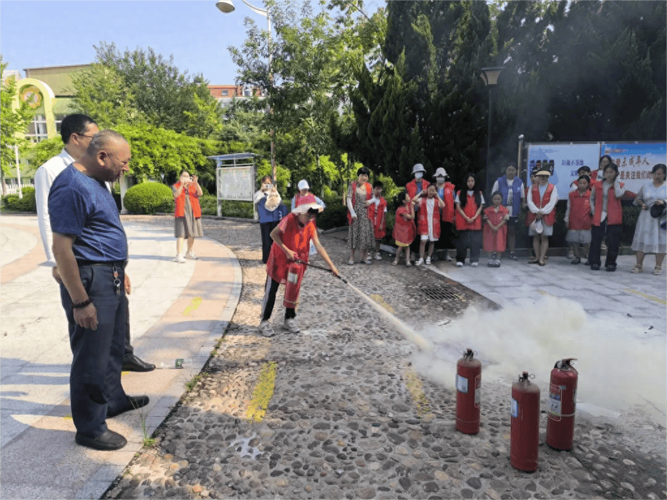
[[227, 7], [490, 78]]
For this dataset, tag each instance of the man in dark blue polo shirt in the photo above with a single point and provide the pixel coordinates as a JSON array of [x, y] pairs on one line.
[[90, 248]]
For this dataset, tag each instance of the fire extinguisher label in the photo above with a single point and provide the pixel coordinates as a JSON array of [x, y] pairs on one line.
[[555, 404], [478, 387], [461, 384], [515, 408], [293, 277]]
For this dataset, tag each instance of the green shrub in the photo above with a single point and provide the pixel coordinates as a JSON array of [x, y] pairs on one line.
[[149, 198], [25, 204], [208, 205], [242, 209], [335, 215]]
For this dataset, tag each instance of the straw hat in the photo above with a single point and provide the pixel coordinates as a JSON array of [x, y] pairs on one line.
[[543, 171], [306, 203]]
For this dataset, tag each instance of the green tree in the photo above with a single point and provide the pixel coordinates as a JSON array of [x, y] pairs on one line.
[[13, 121], [161, 93], [102, 93]]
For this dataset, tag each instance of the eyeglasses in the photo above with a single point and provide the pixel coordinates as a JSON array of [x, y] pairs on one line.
[[84, 135]]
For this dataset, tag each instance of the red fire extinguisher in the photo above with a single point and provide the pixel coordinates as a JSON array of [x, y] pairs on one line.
[[468, 388], [525, 425], [562, 405], [293, 285]]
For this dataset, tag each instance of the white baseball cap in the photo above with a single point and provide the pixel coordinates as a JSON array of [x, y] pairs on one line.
[[303, 184]]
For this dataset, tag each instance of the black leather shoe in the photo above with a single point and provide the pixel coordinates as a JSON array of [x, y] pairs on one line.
[[108, 441], [134, 403], [611, 268], [134, 364], [595, 267]]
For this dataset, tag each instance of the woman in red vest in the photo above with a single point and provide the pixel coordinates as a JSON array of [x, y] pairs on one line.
[[187, 215], [360, 217], [542, 200], [607, 218], [468, 222], [578, 217]]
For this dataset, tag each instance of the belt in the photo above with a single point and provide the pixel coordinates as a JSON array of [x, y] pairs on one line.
[[116, 263]]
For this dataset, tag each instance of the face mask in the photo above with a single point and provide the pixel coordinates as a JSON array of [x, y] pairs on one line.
[[419, 175], [440, 180]]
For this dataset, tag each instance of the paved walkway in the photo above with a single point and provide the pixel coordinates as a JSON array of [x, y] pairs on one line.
[[177, 311]]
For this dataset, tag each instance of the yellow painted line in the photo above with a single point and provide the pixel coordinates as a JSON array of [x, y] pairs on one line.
[[378, 298], [193, 306], [546, 294], [68, 417], [415, 386], [646, 296], [263, 392]]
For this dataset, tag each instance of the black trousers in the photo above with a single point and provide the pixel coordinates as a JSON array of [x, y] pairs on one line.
[[266, 228], [469, 239], [95, 385], [613, 240], [446, 240], [270, 300], [129, 350]]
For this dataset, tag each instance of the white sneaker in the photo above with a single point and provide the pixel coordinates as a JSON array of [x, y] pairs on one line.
[[475, 264], [378, 256], [428, 261], [448, 258], [179, 258], [459, 264], [419, 262], [290, 324], [191, 255], [266, 329]]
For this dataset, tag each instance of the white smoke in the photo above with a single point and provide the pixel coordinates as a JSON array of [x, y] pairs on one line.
[[619, 364]]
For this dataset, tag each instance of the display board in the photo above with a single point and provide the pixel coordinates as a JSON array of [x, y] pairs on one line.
[[563, 160], [635, 161], [236, 183]]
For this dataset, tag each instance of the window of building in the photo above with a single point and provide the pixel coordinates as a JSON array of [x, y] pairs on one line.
[[247, 92], [37, 129], [59, 121], [225, 92]]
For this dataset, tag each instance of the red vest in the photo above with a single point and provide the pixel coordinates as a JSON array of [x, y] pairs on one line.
[[548, 219], [404, 230], [449, 210], [194, 201], [614, 208], [422, 218], [379, 219], [411, 187], [470, 210], [296, 239], [354, 200], [580, 211]]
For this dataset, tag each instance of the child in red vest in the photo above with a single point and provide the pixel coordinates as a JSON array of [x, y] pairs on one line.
[[378, 209], [607, 218], [291, 241], [495, 229], [469, 205], [404, 227], [428, 221], [578, 217]]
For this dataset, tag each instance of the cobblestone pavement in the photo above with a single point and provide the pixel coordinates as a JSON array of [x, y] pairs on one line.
[[337, 411]]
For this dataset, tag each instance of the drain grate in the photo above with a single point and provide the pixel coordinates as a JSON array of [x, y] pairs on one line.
[[441, 293]]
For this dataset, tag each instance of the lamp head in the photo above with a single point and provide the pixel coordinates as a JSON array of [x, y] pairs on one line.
[[225, 6], [490, 75]]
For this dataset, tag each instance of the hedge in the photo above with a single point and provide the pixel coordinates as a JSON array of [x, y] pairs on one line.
[[149, 198], [25, 204]]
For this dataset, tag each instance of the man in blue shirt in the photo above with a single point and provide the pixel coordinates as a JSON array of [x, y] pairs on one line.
[[90, 249]]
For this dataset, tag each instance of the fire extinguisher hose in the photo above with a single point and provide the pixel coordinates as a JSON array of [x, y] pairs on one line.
[[323, 269]]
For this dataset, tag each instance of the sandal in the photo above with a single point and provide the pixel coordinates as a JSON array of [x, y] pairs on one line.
[[350, 263], [637, 269], [532, 260], [407, 264], [657, 270], [369, 260], [395, 263]]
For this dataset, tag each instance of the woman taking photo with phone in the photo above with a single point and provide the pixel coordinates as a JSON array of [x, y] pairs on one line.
[[187, 215]]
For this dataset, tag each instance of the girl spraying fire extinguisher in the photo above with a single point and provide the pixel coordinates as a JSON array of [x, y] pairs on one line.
[[291, 243]]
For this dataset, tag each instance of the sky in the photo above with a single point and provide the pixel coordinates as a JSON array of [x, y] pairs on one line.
[[58, 33]]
